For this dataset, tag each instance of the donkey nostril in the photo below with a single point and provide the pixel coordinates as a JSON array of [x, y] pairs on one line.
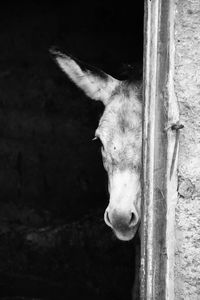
[[107, 220], [133, 219], [107, 216]]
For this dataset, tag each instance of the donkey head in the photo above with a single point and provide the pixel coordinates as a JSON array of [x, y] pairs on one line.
[[120, 133]]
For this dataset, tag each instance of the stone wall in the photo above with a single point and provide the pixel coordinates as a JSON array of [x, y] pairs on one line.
[[187, 88]]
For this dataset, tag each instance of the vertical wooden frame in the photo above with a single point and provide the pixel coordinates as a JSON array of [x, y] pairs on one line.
[[159, 152]]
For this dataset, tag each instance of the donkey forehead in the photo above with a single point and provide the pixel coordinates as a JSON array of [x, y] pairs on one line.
[[120, 132], [121, 118]]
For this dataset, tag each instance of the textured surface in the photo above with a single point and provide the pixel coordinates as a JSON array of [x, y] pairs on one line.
[[187, 88]]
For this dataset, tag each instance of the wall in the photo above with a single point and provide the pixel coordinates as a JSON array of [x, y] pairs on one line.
[[187, 88]]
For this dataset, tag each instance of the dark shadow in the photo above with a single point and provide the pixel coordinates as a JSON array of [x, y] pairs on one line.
[[53, 240]]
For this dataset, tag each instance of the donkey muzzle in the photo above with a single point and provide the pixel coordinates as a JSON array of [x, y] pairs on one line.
[[124, 224]]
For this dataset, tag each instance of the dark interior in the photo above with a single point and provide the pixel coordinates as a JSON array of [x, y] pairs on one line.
[[53, 240]]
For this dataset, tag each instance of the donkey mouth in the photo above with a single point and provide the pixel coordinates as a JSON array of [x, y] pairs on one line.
[[126, 235]]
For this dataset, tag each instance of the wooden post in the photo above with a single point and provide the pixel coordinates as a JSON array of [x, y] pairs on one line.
[[160, 149]]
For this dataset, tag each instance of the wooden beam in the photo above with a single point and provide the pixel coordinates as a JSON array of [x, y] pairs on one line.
[[159, 152]]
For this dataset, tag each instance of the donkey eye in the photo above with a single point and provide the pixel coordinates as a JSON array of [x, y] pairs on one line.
[[95, 138], [98, 140]]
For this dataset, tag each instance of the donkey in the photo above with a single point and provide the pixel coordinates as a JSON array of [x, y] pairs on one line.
[[120, 131]]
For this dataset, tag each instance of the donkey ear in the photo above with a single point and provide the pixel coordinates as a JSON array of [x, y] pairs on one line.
[[95, 83]]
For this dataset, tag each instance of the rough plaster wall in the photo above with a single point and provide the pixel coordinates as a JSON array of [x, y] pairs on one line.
[[187, 88]]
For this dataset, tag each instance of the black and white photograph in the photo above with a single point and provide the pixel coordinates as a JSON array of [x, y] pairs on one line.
[[100, 150]]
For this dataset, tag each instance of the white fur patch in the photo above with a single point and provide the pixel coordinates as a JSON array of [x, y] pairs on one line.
[[124, 191]]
